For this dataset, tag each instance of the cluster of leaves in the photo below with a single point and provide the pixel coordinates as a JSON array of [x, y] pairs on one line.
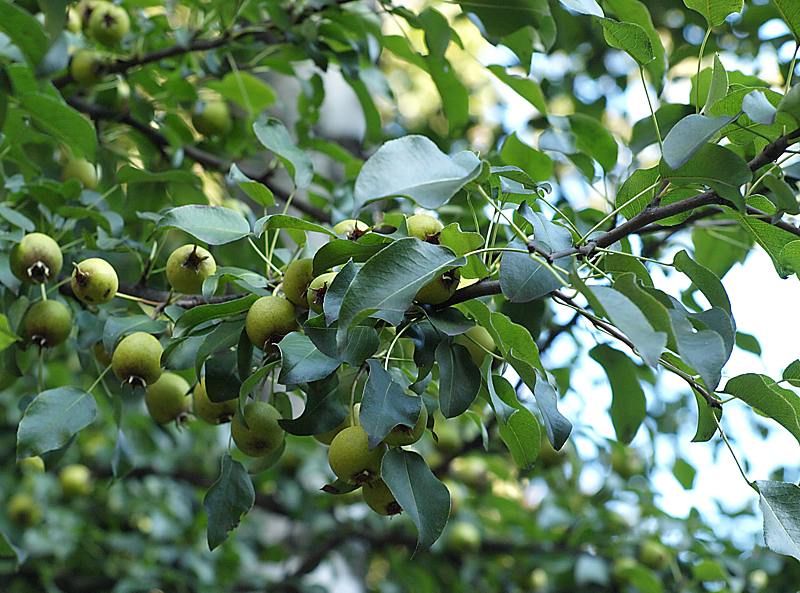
[[162, 143]]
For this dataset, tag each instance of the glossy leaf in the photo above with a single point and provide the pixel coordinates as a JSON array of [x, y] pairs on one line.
[[386, 404], [420, 494], [52, 419], [414, 167], [230, 496], [214, 225]]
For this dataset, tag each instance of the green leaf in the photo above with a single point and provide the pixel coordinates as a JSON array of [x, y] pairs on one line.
[[630, 38], [275, 137], [589, 7], [462, 242], [758, 108], [420, 494], [717, 167], [791, 373], [122, 462], [634, 11], [283, 221], [535, 163], [780, 505], [527, 88], [248, 92], [414, 167], [61, 121], [221, 379], [24, 31], [9, 549], [704, 279], [768, 398], [325, 409], [637, 191], [684, 472], [510, 16], [704, 350], [214, 225], [689, 135], [790, 13], [715, 11], [230, 496], [386, 284], [115, 327], [624, 314], [52, 418], [593, 139], [706, 424], [17, 219], [523, 278], [523, 437], [459, 378], [256, 191], [302, 362], [790, 103], [628, 406], [7, 336], [203, 313], [386, 404], [774, 240], [719, 84], [500, 393]]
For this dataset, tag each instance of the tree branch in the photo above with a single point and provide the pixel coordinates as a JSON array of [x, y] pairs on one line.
[[206, 159], [197, 44]]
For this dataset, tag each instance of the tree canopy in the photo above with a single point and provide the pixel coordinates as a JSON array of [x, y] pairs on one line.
[[273, 272]]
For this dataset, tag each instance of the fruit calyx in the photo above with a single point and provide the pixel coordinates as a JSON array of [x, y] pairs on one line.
[[193, 260]]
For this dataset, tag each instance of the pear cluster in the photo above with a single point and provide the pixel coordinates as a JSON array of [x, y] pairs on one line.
[[136, 358]]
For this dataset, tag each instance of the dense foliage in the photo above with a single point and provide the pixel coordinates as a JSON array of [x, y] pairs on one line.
[[266, 261]]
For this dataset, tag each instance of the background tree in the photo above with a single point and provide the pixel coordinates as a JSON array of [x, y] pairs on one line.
[[290, 267]]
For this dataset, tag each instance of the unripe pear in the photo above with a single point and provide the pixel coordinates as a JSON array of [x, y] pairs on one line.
[[654, 554], [352, 460], [109, 23], [31, 465], [296, 278], [327, 437], [402, 435], [380, 499], [137, 359], [626, 462], [166, 398], [188, 267], [424, 227], [74, 24], [259, 434], [440, 289], [269, 319], [351, 229], [211, 412], [75, 480], [315, 295], [36, 258], [622, 569], [212, 117], [87, 67], [24, 510], [81, 170], [94, 281], [85, 9], [464, 537], [47, 323], [539, 579], [477, 340]]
